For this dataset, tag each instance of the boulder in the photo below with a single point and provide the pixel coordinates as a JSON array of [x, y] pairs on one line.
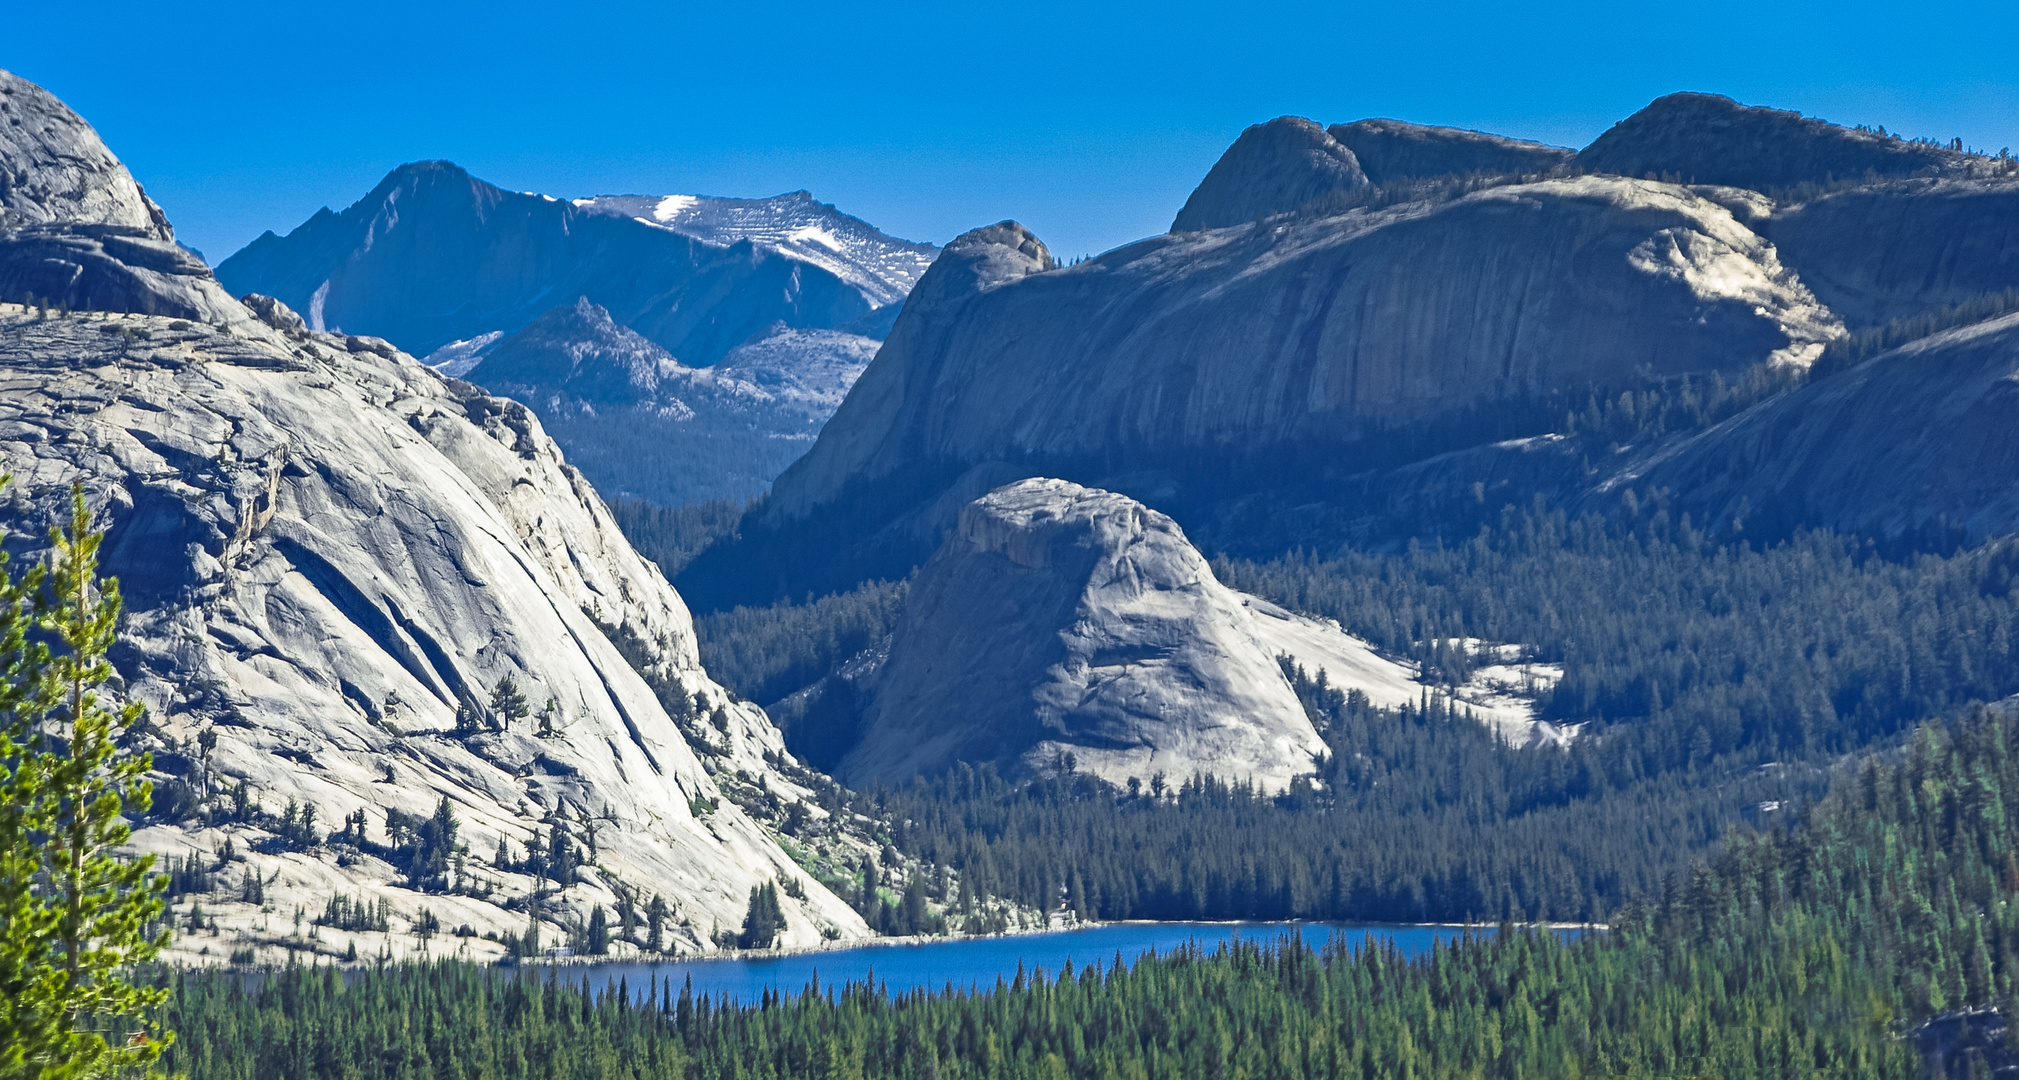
[[275, 314]]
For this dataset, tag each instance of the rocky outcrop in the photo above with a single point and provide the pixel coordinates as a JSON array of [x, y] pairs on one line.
[[1711, 139], [276, 315], [54, 169], [109, 268], [1393, 150], [642, 425], [434, 255], [1062, 620], [76, 231], [1272, 168]]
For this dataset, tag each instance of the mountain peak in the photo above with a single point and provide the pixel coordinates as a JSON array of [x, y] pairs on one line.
[[578, 351], [1272, 168], [1713, 139], [417, 176]]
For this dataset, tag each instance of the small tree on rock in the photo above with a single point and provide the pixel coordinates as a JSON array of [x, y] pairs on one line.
[[508, 704]]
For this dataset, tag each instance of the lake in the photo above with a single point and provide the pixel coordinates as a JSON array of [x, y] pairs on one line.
[[969, 963]]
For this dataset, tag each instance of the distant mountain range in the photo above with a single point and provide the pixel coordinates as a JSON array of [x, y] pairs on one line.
[[442, 263], [642, 425], [433, 255]]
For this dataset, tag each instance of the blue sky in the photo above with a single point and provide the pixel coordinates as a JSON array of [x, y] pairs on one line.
[[1088, 122]]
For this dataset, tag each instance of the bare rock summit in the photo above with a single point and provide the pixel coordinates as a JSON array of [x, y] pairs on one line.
[[1272, 168], [1064, 620]]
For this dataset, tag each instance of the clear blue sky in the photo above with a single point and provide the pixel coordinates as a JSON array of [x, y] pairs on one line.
[[1089, 122]]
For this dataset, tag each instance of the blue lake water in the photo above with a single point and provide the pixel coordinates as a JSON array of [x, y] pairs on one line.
[[970, 963]]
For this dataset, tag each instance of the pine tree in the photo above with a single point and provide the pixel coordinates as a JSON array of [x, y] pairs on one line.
[[655, 924], [764, 919], [469, 718], [75, 917], [867, 902], [507, 703]]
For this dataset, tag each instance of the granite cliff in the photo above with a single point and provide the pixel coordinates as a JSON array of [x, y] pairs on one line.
[[76, 231], [335, 561]]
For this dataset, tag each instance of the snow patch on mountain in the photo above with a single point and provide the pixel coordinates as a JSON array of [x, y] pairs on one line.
[[882, 266], [457, 357]]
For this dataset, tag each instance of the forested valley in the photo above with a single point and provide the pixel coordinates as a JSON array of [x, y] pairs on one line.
[[1801, 951], [1707, 680]]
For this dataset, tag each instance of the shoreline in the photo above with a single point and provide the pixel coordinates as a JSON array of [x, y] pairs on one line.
[[918, 940]]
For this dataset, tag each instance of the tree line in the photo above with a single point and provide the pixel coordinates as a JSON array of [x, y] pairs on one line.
[[1797, 951]]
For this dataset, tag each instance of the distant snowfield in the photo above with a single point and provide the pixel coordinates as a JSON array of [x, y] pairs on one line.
[[1500, 695], [882, 266]]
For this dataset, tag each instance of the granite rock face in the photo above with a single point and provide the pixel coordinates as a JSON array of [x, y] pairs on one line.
[[1711, 139], [109, 268], [433, 255], [326, 551], [54, 169], [1893, 250], [1059, 620], [1308, 331], [1392, 150], [1272, 168], [77, 232], [332, 559], [1921, 440]]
